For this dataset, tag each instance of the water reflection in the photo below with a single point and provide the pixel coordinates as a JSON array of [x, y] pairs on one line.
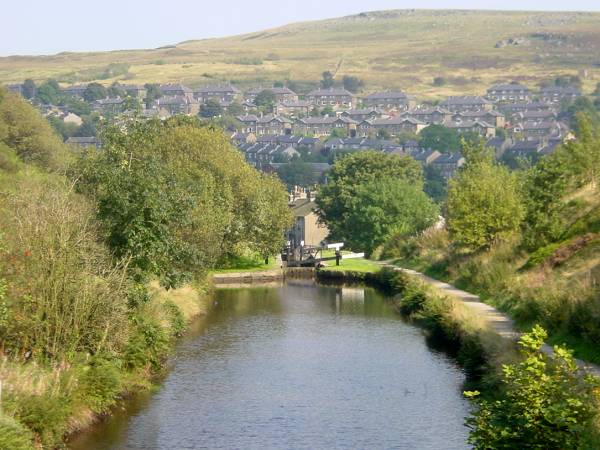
[[300, 367]]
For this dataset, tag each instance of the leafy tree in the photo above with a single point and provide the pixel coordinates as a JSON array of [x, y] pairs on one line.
[[352, 84], [153, 92], [328, 111], [387, 207], [336, 197], [296, 173], [339, 133], [211, 108], [582, 105], [94, 91], [265, 99], [327, 80], [278, 84], [115, 90], [76, 106], [484, 201], [87, 128], [439, 137], [29, 88], [235, 109], [585, 150], [544, 403], [383, 134], [49, 93], [436, 185]]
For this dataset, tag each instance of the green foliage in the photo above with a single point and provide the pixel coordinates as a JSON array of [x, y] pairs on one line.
[[384, 208], [436, 185], [29, 88], [94, 91], [352, 84], [439, 137], [24, 130], [335, 200], [327, 80], [148, 344], [49, 93], [296, 173], [544, 403], [484, 201], [13, 435], [265, 99], [584, 152], [100, 383], [211, 108], [176, 319]]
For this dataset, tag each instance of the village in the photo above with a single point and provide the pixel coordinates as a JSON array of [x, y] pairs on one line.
[[274, 125]]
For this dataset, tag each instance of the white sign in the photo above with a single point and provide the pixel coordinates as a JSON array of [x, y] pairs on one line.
[[336, 246]]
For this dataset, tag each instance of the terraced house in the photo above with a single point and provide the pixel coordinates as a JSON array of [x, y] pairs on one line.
[[508, 93], [463, 103], [323, 126], [390, 100], [224, 94], [558, 94], [335, 97], [282, 94]]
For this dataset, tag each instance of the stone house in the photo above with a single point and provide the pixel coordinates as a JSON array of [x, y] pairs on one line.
[[84, 142], [483, 129], [108, 105], [134, 90], [224, 94], [76, 90], [393, 126], [509, 93], [558, 94], [363, 114], [273, 124], [433, 115], [425, 157], [177, 104], [323, 126], [390, 100], [307, 230], [282, 94], [337, 98], [299, 108], [176, 90], [492, 117], [448, 164], [467, 103]]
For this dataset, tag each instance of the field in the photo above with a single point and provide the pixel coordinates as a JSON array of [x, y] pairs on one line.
[[404, 49]]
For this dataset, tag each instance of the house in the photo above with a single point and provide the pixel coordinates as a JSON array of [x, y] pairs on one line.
[[390, 100], [248, 122], [536, 130], [525, 149], [558, 94], [517, 107], [433, 115], [108, 105], [134, 90], [425, 157], [299, 108], [282, 94], [84, 142], [224, 94], [535, 116], [499, 145], [307, 230], [177, 104], [16, 88], [273, 124], [76, 90], [448, 164], [392, 125], [363, 114], [509, 93], [337, 98], [72, 118], [466, 103], [243, 138], [177, 90], [323, 126], [492, 117], [479, 127]]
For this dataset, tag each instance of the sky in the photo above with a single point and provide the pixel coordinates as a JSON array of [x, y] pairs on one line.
[[33, 27]]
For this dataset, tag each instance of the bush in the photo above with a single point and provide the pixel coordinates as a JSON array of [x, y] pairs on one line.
[[100, 383], [176, 319], [147, 345], [46, 414], [13, 435], [544, 403]]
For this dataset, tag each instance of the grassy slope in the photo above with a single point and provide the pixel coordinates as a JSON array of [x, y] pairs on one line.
[[395, 49]]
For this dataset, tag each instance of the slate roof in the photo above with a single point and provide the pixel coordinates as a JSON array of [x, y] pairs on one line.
[[465, 100], [331, 91], [383, 95], [221, 88]]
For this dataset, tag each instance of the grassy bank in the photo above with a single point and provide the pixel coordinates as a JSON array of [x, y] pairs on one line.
[[43, 403]]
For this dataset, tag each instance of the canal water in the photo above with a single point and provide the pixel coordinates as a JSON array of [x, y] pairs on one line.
[[300, 366]]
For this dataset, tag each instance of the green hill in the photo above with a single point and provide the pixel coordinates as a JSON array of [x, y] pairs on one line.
[[396, 49]]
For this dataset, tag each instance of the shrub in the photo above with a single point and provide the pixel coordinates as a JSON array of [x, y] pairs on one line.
[[100, 383], [147, 345], [13, 435], [544, 404], [176, 319]]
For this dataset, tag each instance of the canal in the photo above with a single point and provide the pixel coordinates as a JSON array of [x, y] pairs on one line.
[[300, 366]]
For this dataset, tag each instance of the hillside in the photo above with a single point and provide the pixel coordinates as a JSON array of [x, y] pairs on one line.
[[394, 49]]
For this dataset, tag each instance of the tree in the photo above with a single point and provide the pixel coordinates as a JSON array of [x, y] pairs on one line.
[[387, 207], [265, 99], [585, 151], [327, 80], [339, 133], [352, 84], [544, 403], [48, 93], [296, 173], [328, 111], [436, 185], [211, 108], [94, 91], [115, 90], [439, 81], [383, 134], [335, 198], [29, 88], [439, 137], [484, 201], [153, 93], [582, 105]]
